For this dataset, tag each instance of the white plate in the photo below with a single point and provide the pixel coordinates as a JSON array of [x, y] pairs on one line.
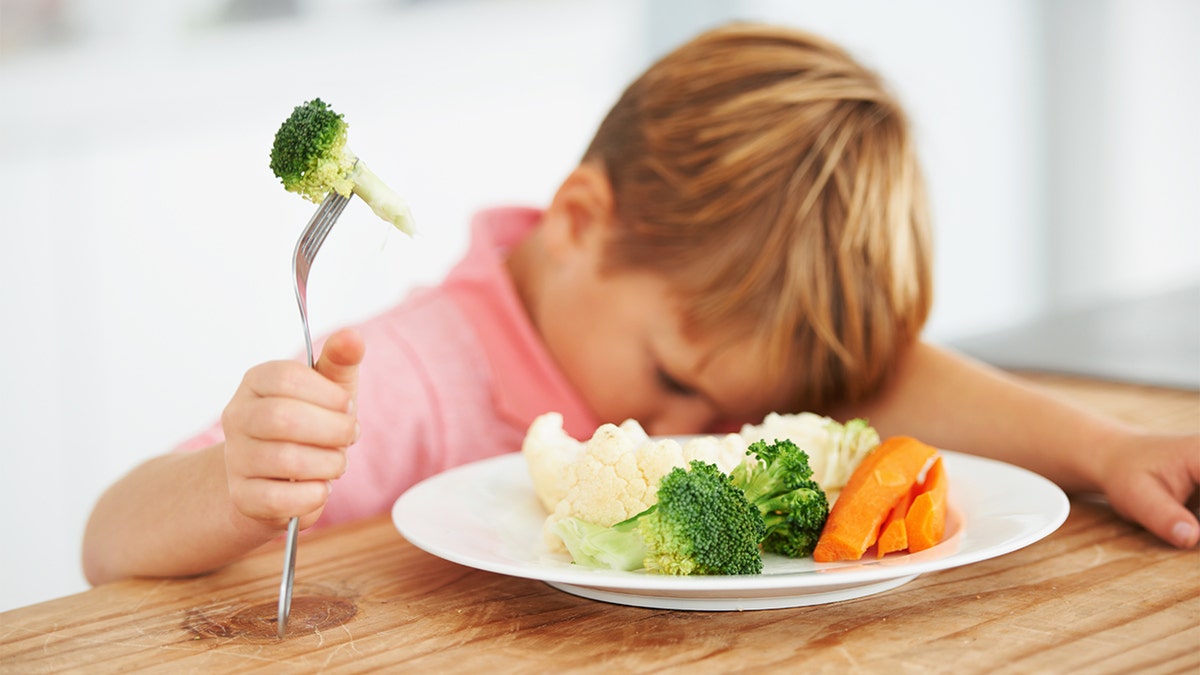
[[485, 515]]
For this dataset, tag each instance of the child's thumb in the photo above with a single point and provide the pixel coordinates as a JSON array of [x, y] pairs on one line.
[[340, 357]]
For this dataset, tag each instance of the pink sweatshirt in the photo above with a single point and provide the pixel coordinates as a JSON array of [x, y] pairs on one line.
[[453, 374]]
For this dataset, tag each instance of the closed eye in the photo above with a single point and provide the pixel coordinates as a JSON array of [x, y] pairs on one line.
[[672, 385]]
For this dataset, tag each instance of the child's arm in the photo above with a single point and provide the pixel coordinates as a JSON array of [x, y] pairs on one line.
[[286, 429], [955, 403], [171, 516]]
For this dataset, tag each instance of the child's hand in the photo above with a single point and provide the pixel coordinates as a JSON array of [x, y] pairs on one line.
[[1151, 481], [286, 433]]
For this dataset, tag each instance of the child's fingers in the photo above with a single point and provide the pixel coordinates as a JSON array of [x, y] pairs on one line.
[[1157, 499], [291, 421], [275, 500], [286, 461], [1168, 519], [293, 380]]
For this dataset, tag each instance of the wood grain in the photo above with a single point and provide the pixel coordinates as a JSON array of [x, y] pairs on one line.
[[1099, 596]]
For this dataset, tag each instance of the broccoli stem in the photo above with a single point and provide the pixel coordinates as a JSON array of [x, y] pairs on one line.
[[382, 199], [765, 483], [619, 547]]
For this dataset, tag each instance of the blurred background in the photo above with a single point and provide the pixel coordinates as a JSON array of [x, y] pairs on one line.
[[146, 254]]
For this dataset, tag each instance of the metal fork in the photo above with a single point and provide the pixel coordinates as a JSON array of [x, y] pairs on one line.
[[302, 260]]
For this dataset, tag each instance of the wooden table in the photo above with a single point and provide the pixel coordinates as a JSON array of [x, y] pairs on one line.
[[1099, 595]]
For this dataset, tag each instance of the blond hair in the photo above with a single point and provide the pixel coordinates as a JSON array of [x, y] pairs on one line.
[[773, 180]]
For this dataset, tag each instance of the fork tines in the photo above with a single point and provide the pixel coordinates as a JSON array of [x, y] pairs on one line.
[[321, 223]]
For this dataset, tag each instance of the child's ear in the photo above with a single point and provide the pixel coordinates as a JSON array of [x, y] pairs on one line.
[[581, 212]]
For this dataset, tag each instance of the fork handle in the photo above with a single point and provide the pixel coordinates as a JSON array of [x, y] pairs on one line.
[[293, 534], [289, 572]]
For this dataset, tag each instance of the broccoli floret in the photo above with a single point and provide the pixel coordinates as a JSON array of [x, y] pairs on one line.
[[311, 158], [701, 524], [780, 484]]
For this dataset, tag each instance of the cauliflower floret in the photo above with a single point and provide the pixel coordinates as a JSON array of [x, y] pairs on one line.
[[548, 451], [634, 431], [616, 477], [834, 450], [725, 451]]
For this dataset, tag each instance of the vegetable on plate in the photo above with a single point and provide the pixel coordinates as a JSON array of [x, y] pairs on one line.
[[925, 521], [701, 524], [615, 474], [877, 484], [893, 535], [705, 521], [605, 496], [780, 484]]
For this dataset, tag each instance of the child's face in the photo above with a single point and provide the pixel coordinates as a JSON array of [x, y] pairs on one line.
[[618, 338]]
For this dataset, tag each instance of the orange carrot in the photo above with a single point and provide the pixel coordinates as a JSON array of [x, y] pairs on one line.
[[892, 535], [926, 520], [874, 488]]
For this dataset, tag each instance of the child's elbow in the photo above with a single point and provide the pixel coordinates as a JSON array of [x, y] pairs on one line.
[[97, 568]]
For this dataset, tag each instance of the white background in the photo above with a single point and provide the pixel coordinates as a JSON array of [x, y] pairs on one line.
[[146, 255]]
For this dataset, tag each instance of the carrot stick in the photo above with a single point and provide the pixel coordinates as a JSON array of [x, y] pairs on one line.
[[925, 523], [893, 536], [874, 488]]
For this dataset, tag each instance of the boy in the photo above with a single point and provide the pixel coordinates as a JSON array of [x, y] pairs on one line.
[[746, 233]]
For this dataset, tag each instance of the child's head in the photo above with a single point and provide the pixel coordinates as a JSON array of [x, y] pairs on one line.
[[773, 181]]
